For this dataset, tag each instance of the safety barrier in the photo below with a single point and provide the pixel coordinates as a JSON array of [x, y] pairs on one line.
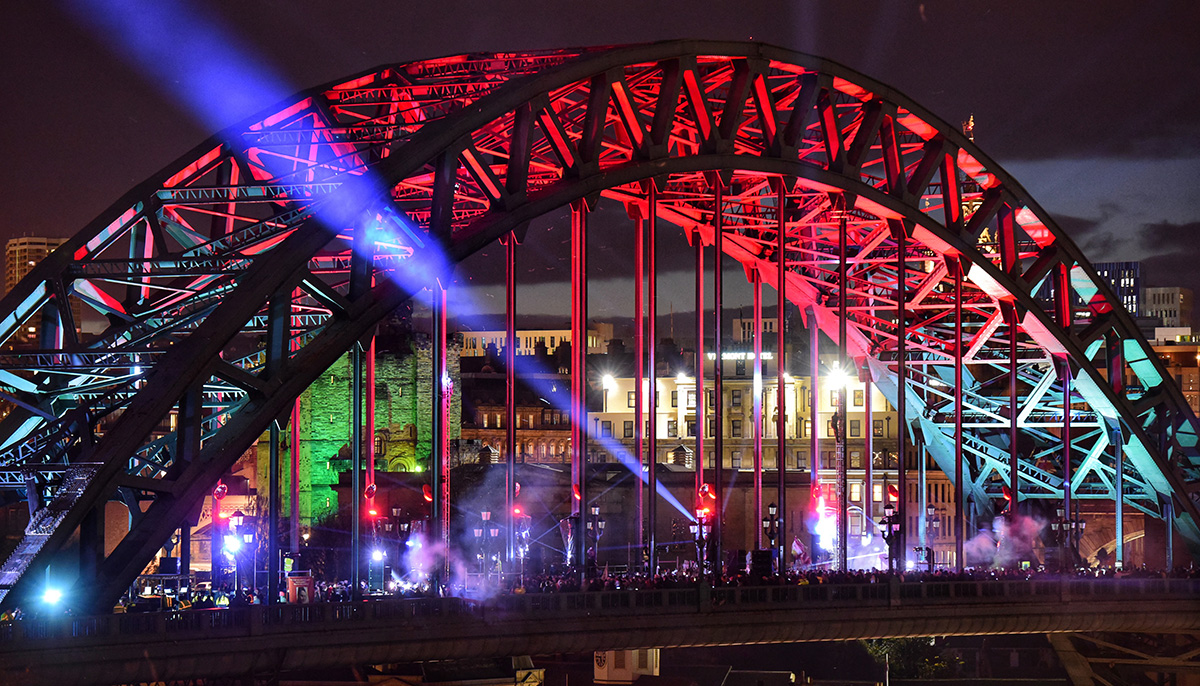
[[430, 612]]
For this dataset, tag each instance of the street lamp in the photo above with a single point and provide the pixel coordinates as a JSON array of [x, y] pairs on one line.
[[1067, 530], [493, 555], [770, 525], [594, 529], [890, 529], [700, 530], [933, 522], [479, 546], [234, 542]]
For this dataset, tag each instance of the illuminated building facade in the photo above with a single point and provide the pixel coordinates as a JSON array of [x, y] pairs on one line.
[[21, 255]]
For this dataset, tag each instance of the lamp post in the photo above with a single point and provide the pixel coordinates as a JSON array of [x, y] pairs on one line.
[[478, 531], [1066, 530], [700, 530], [890, 528], [233, 543], [493, 554], [933, 521], [770, 525], [594, 530], [401, 526]]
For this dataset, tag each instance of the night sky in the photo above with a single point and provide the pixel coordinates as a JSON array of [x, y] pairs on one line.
[[1093, 107]]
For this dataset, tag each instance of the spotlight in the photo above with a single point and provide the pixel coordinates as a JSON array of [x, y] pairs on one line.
[[52, 596], [377, 555], [838, 378]]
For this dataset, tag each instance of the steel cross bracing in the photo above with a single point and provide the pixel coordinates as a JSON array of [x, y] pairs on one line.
[[225, 280]]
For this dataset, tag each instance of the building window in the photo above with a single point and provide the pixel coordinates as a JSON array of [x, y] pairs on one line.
[[829, 429], [736, 428], [606, 429], [672, 428], [739, 367], [833, 398], [856, 459], [735, 459], [691, 399], [691, 427], [709, 396], [856, 491], [877, 493], [628, 429], [801, 459], [855, 428], [877, 428], [674, 398], [807, 427], [631, 398], [735, 398], [712, 427], [858, 398]]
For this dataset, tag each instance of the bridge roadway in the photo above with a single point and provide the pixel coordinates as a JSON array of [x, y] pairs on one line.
[[262, 640]]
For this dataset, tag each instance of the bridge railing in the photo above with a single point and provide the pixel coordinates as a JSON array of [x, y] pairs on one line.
[[425, 613]]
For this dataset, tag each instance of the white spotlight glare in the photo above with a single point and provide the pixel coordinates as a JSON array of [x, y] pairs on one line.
[[838, 378]]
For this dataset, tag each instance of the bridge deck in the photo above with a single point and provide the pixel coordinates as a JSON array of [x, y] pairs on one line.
[[266, 640]]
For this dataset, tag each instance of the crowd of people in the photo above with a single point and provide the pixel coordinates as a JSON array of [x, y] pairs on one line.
[[573, 581]]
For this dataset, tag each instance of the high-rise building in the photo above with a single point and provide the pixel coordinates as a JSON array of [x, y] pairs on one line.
[[1171, 304], [1126, 281], [21, 255]]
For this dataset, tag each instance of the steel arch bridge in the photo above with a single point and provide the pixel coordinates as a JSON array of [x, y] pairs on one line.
[[231, 279]]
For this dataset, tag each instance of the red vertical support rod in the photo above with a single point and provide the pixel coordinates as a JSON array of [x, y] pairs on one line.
[[843, 489], [757, 389], [510, 373], [814, 441], [780, 373], [868, 503], [699, 371], [652, 375], [901, 543], [639, 404], [440, 474], [356, 488], [718, 378], [579, 435], [294, 498], [959, 475], [370, 391]]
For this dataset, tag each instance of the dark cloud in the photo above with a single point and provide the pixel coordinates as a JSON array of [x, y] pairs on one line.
[[1077, 228], [1170, 237], [1178, 258]]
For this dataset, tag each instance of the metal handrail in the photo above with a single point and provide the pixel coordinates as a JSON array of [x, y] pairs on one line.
[[427, 612]]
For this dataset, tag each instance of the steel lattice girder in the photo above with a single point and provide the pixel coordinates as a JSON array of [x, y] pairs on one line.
[[426, 163]]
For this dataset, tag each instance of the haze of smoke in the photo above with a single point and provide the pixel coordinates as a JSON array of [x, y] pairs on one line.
[[1006, 545]]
